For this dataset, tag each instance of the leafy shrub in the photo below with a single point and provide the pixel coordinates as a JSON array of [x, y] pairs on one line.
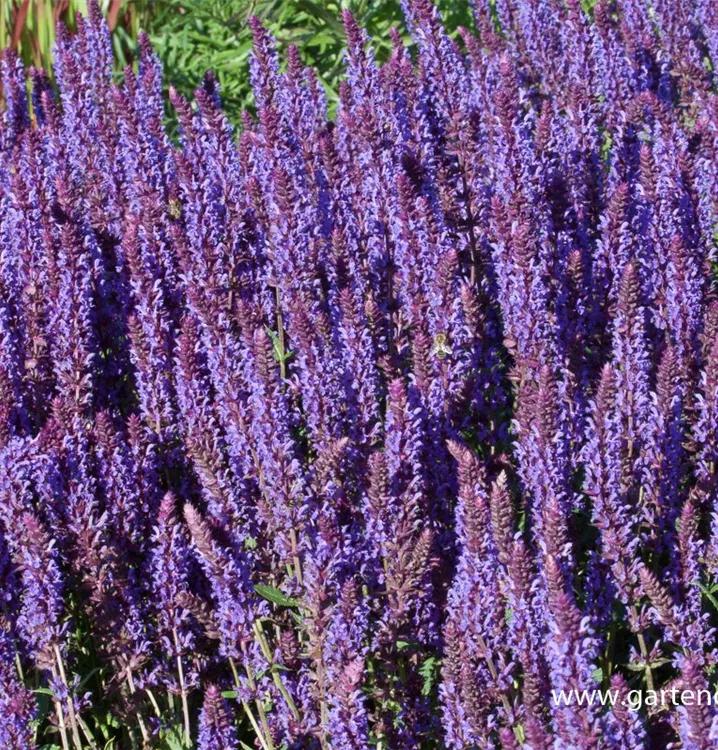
[[375, 431], [193, 36]]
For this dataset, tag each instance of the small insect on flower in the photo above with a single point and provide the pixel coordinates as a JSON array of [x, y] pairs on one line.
[[175, 208], [441, 348]]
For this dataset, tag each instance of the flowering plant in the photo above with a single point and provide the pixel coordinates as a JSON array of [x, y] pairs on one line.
[[384, 430]]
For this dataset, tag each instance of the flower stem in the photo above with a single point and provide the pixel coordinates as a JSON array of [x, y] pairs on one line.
[[185, 707], [275, 675], [247, 710], [140, 721], [70, 703], [61, 719]]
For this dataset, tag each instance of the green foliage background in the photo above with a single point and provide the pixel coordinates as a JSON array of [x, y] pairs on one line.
[[192, 36]]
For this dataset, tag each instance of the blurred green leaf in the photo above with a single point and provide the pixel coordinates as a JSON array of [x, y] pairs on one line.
[[44, 691], [275, 596]]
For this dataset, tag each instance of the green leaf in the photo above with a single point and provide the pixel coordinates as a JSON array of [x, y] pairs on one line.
[[229, 694], [429, 670], [660, 662], [275, 596], [709, 595], [175, 739], [279, 355], [44, 691], [107, 724]]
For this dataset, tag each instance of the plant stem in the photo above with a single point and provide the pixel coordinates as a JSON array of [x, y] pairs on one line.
[[88, 734], [611, 649], [280, 336], [153, 701], [295, 556], [495, 676], [185, 707], [260, 706], [70, 703], [275, 676], [61, 719], [248, 710], [18, 664], [140, 722], [644, 651]]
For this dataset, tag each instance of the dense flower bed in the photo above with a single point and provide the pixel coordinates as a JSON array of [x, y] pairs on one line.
[[373, 432]]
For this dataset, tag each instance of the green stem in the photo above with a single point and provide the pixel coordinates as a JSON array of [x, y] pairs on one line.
[[295, 555], [138, 713], [154, 703], [248, 710], [275, 675], [280, 336], [88, 734], [611, 650], [495, 676], [644, 651], [185, 706], [70, 703], [61, 719]]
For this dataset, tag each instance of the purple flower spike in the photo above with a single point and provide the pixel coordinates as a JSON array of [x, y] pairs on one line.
[[396, 410], [17, 704], [41, 622], [216, 724], [228, 577]]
